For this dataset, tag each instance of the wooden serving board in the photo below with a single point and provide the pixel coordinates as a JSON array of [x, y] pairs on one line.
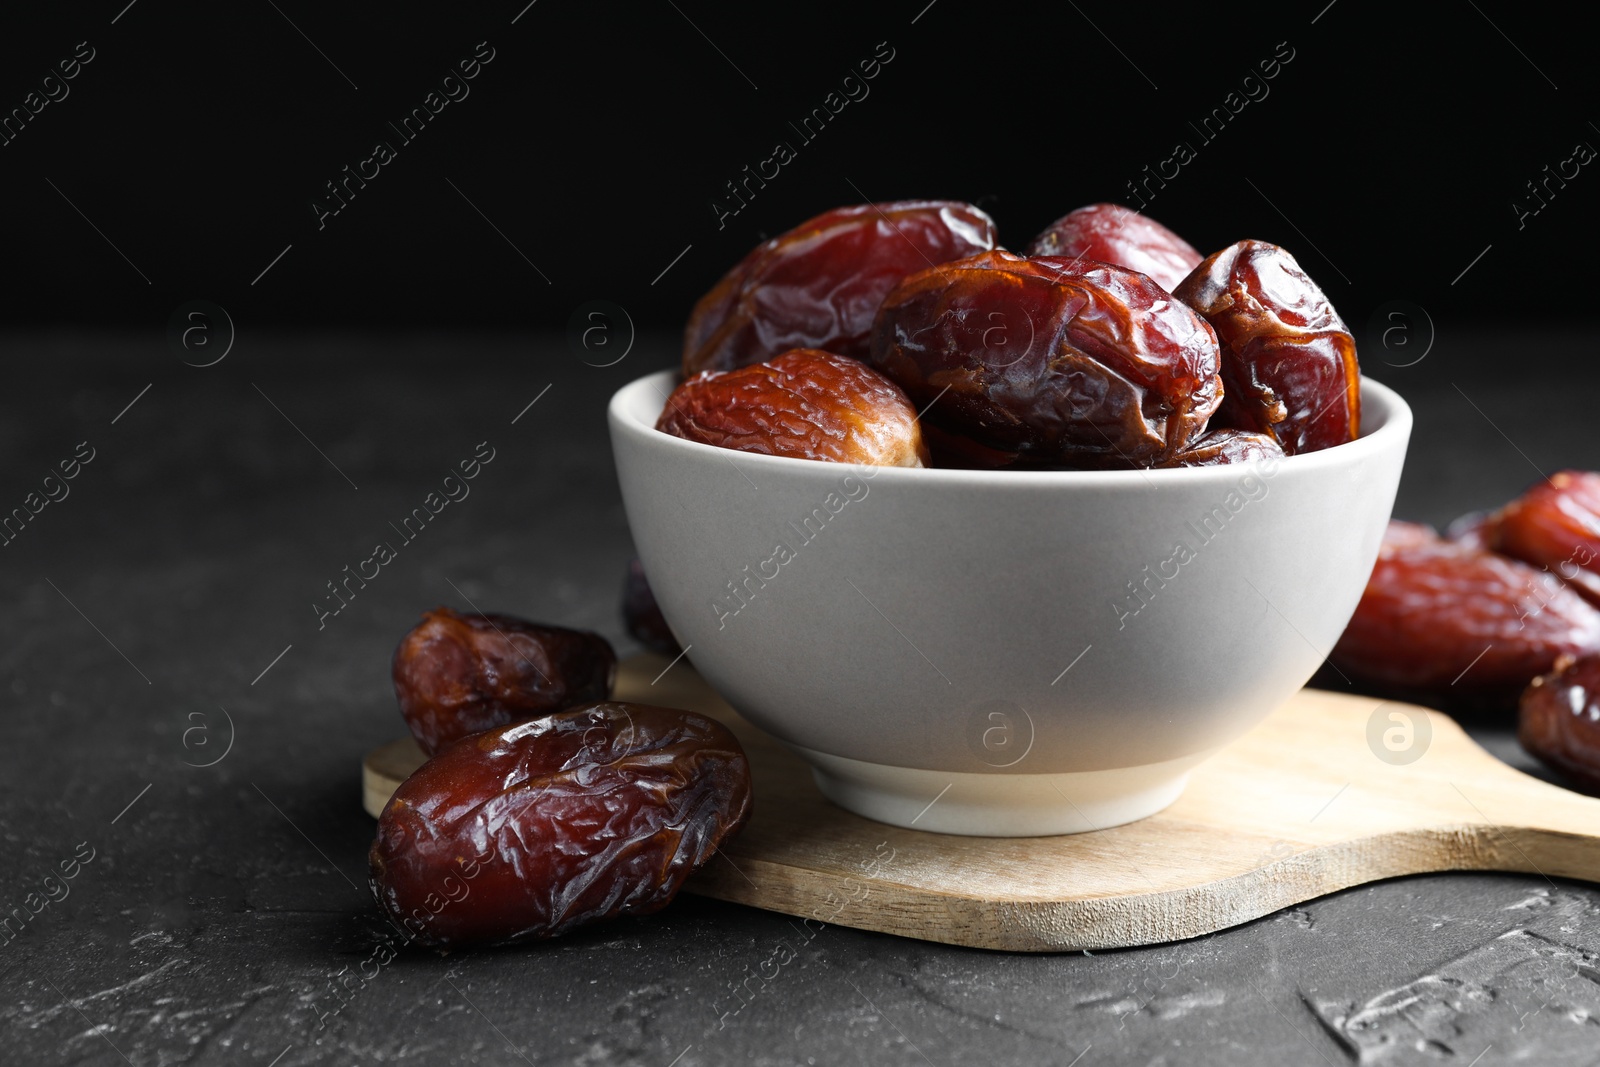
[[1298, 808]]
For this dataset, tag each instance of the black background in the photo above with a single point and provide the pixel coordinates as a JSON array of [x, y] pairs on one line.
[[1387, 155]]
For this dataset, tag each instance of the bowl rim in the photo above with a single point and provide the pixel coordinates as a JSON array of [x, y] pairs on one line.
[[626, 413]]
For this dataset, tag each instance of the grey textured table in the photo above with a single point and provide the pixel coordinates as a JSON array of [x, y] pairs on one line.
[[162, 612]]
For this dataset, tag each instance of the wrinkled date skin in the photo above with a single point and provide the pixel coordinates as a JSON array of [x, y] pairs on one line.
[[1555, 525], [1076, 364], [1112, 233], [642, 615], [804, 404], [1457, 626], [456, 674], [1558, 719], [1288, 362], [1221, 447], [820, 284], [534, 829]]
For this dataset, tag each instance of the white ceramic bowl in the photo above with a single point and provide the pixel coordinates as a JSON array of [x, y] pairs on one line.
[[1004, 653]]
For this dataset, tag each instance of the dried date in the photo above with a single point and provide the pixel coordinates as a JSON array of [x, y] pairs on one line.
[[1455, 625], [1288, 361], [1558, 719], [804, 404], [1122, 237], [456, 674], [820, 284], [1555, 525], [531, 830], [1073, 364], [1221, 447], [642, 615]]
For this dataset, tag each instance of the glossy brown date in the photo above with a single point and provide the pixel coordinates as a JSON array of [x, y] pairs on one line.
[[820, 284], [1072, 364], [1455, 625], [1112, 233], [457, 674], [1558, 719], [1555, 525], [1288, 362], [531, 830], [1220, 447], [804, 404], [642, 615]]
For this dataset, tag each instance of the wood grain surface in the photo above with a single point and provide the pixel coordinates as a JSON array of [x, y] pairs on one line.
[[1298, 808]]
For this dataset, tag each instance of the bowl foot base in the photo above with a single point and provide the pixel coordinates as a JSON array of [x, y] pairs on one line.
[[999, 804]]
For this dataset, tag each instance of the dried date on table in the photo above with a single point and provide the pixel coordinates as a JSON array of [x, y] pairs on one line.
[[820, 284], [456, 674], [534, 829], [1288, 361], [1555, 525], [1455, 625], [1069, 363], [1112, 233], [1559, 719], [804, 404]]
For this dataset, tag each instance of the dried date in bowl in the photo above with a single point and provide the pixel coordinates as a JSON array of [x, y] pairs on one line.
[[820, 284], [1288, 361], [1222, 447], [456, 674], [1453, 625], [1112, 233], [1080, 364], [805, 404], [534, 829], [1559, 719]]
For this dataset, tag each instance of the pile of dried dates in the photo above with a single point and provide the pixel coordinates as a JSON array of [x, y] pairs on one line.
[[901, 334], [1503, 609], [544, 805]]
